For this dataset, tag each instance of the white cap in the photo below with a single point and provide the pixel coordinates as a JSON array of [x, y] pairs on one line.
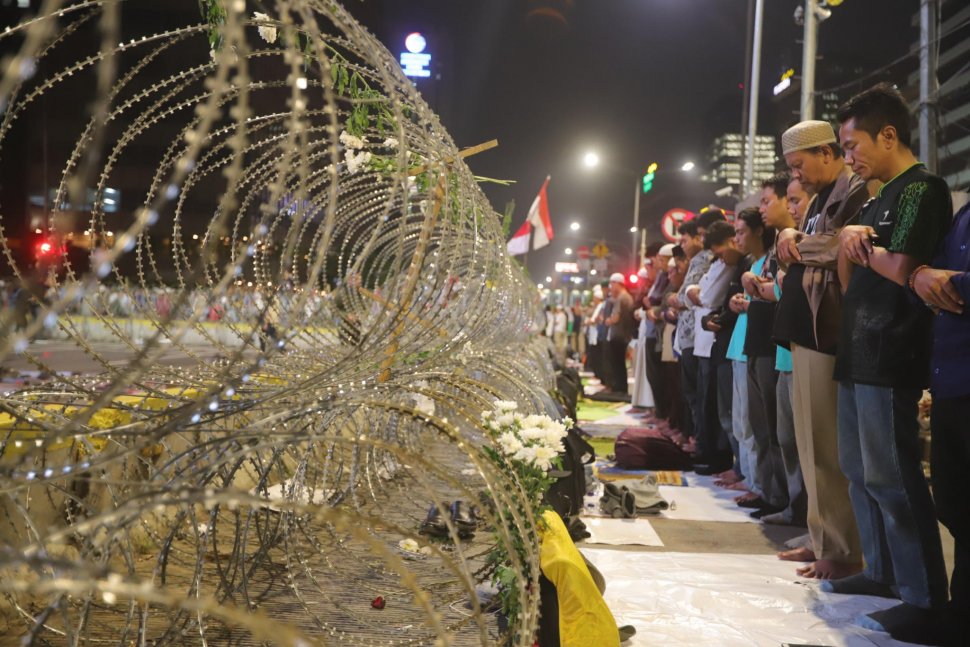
[[616, 277], [643, 273], [671, 264], [666, 250], [807, 134], [597, 292]]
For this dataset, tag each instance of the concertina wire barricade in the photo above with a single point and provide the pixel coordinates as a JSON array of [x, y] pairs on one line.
[[339, 284]]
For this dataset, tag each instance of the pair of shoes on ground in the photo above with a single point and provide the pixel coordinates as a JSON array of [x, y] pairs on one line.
[[464, 518], [760, 507]]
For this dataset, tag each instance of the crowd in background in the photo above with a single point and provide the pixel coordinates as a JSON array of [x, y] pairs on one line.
[[788, 351]]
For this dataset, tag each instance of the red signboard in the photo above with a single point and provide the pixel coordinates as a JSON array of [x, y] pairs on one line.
[[671, 223]]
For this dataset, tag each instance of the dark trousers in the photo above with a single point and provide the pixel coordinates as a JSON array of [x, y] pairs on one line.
[[655, 378], [617, 373], [725, 412], [675, 401], [769, 468], [688, 383], [950, 462], [594, 360], [712, 444]]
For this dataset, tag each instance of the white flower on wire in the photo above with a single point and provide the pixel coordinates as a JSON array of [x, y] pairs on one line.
[[266, 32], [391, 142], [355, 161], [423, 403], [351, 141]]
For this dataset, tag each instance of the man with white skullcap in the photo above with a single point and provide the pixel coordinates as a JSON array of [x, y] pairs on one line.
[[621, 328], [808, 319], [595, 341]]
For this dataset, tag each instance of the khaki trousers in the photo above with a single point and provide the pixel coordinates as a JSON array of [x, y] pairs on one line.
[[831, 521]]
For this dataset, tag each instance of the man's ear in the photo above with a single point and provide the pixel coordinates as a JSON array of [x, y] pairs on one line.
[[889, 136]]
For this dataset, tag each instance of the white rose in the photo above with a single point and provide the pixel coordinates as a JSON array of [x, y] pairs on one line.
[[351, 141], [355, 161], [266, 32], [409, 545], [423, 403]]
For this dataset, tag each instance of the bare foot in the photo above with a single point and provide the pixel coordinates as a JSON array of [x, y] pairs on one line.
[[727, 478], [798, 555], [748, 496], [678, 438], [690, 446], [827, 569], [740, 486]]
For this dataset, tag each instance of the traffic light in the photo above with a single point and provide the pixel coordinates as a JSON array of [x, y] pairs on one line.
[[648, 178]]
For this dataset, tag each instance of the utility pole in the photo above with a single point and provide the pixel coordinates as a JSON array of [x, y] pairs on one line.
[[929, 15], [636, 219], [746, 99], [759, 15], [809, 55]]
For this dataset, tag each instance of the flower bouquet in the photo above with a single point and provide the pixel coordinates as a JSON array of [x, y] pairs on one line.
[[525, 448]]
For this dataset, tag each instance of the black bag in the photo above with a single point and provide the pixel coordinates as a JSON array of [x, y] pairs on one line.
[[568, 388], [565, 496]]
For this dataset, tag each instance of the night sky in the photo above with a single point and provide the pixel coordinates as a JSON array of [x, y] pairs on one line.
[[638, 80]]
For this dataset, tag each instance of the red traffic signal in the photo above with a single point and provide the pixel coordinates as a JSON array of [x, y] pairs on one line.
[[634, 279]]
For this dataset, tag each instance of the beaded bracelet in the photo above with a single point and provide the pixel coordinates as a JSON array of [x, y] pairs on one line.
[[912, 276]]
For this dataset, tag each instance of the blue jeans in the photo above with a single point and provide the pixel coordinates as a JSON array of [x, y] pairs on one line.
[[741, 425], [880, 455]]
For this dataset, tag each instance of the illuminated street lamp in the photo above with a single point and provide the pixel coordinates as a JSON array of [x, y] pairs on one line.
[[574, 226], [644, 183], [688, 166], [569, 251]]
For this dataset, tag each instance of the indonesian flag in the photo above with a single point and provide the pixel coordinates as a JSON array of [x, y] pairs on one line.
[[539, 218], [519, 244]]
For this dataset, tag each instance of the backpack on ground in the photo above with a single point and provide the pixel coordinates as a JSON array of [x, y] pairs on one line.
[[648, 449]]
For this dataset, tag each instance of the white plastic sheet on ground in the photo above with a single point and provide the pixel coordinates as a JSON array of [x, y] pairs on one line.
[[621, 532], [701, 500], [691, 599]]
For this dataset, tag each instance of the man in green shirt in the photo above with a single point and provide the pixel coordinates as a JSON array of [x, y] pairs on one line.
[[882, 366]]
